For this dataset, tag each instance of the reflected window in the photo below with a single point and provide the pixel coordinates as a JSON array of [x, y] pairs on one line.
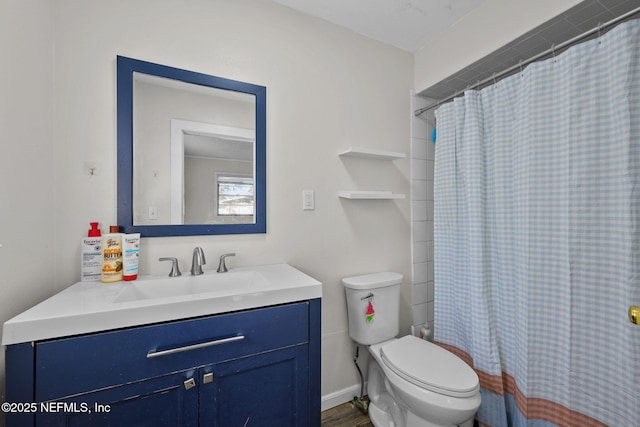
[[235, 195]]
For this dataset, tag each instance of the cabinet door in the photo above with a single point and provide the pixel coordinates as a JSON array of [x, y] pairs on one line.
[[167, 401], [268, 389]]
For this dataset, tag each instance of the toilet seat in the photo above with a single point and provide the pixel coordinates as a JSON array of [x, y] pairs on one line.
[[430, 367]]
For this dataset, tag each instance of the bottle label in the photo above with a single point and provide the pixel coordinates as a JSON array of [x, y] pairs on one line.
[[91, 268], [111, 259]]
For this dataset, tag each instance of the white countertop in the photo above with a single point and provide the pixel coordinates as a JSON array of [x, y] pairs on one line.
[[88, 307]]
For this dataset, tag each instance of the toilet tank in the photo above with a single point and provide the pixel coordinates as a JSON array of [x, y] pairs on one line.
[[373, 305]]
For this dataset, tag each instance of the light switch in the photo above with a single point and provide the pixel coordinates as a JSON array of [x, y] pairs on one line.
[[308, 200], [153, 212]]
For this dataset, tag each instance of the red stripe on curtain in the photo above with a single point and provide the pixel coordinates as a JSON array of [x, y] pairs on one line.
[[530, 407]]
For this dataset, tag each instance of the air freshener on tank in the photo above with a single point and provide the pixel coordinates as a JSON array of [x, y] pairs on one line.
[[370, 312]]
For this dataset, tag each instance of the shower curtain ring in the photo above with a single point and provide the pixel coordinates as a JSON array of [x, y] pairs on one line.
[[553, 52], [520, 64], [599, 32]]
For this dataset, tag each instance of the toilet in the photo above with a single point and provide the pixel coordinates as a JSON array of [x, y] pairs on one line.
[[411, 382]]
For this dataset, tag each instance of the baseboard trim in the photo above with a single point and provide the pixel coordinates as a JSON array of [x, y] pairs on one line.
[[339, 397]]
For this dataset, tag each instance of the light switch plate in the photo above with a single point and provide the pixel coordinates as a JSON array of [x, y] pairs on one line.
[[153, 212], [308, 200]]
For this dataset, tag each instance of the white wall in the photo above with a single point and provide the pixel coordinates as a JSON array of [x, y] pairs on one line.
[[493, 24], [327, 89], [26, 166]]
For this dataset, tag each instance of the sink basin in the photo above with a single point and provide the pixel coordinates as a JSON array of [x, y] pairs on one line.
[[91, 307], [193, 286]]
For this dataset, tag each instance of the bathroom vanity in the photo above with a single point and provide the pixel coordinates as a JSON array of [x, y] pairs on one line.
[[234, 349]]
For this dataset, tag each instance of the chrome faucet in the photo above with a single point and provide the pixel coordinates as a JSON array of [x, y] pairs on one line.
[[222, 266], [197, 261]]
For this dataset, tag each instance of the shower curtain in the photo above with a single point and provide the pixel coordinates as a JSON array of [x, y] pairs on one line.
[[536, 237]]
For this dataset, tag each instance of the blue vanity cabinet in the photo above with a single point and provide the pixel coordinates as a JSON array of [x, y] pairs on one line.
[[161, 401], [259, 367], [262, 390]]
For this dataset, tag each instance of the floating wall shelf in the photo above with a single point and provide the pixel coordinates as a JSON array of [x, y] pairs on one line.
[[372, 154], [370, 195], [369, 153]]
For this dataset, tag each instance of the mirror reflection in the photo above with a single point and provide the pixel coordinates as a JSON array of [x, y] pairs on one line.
[[191, 152]]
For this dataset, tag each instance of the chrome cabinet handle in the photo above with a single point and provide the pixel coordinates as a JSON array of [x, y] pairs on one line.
[[154, 353]]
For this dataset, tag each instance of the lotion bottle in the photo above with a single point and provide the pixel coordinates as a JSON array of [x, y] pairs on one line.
[[131, 252], [91, 255], [112, 256]]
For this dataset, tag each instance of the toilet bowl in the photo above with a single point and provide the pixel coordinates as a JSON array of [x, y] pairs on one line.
[[441, 390], [411, 382]]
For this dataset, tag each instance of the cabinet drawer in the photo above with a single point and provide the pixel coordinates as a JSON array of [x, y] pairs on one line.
[[90, 362]]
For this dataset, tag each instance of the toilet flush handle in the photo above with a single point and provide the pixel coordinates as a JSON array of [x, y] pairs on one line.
[[368, 296]]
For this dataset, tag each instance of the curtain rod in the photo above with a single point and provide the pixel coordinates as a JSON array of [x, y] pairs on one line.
[[521, 64]]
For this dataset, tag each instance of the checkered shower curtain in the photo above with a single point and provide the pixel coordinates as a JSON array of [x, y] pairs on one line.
[[537, 237]]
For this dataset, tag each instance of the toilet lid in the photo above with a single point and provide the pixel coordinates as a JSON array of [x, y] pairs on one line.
[[430, 367]]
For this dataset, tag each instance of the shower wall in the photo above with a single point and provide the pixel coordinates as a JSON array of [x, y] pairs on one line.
[[422, 156]]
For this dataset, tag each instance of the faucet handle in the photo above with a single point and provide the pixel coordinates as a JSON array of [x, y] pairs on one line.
[[175, 269], [222, 266]]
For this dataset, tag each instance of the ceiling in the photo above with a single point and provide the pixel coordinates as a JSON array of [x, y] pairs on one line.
[[406, 24], [410, 24], [572, 24]]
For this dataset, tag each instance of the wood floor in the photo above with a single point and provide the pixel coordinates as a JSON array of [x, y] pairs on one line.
[[345, 415]]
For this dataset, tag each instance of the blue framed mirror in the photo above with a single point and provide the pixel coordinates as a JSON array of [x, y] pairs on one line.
[[191, 152]]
